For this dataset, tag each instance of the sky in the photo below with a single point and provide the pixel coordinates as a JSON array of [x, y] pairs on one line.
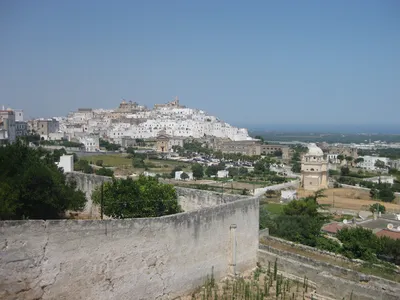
[[247, 62]]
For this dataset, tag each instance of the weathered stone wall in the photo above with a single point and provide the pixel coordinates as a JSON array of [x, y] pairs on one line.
[[332, 281], [292, 184], [192, 199], [87, 183], [189, 199], [155, 258]]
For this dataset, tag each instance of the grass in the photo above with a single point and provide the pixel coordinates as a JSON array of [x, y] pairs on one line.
[[109, 160], [124, 164], [275, 208]]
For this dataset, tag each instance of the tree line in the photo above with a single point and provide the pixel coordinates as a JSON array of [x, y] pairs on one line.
[[301, 222]]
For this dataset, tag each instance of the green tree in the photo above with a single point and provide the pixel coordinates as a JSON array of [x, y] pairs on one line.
[[359, 160], [377, 207], [380, 164], [141, 198], [83, 165], [198, 171], [340, 157], [344, 171], [358, 243], [349, 159], [32, 186], [138, 162], [105, 172], [386, 195], [212, 170], [373, 193], [184, 176]]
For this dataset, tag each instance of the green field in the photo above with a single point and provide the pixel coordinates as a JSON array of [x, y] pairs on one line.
[[110, 160], [275, 208], [123, 164]]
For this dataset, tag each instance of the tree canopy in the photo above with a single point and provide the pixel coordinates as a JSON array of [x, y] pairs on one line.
[[198, 171], [32, 186], [141, 198]]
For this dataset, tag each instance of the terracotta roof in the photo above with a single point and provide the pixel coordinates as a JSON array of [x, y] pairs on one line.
[[389, 233], [333, 227]]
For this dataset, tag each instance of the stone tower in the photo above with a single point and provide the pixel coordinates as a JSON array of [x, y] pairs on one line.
[[314, 169]]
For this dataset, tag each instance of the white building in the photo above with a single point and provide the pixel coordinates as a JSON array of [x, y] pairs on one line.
[[222, 174], [370, 161], [66, 163], [91, 143], [19, 115], [7, 124]]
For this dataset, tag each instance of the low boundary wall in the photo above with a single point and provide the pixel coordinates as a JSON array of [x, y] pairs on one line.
[[332, 280], [150, 258]]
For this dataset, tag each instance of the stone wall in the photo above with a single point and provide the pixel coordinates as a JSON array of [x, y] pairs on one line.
[[292, 184], [192, 199], [332, 281], [87, 183], [154, 258], [189, 199]]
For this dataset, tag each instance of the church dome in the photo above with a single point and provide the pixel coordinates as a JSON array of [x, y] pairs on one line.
[[314, 150]]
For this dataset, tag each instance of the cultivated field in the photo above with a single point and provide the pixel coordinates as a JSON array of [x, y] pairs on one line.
[[350, 199]]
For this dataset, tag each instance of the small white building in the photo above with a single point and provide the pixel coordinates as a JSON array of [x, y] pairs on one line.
[[382, 179], [66, 163], [91, 143], [370, 161], [149, 174], [179, 173], [222, 174]]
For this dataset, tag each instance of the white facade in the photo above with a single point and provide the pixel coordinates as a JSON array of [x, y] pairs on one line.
[[7, 123], [179, 173], [57, 136], [177, 122], [369, 162], [222, 174], [91, 143], [67, 163], [332, 158], [19, 115]]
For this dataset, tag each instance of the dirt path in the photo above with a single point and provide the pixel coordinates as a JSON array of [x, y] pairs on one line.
[[350, 199]]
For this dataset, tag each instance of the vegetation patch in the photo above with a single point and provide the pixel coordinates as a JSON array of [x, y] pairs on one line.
[[262, 283]]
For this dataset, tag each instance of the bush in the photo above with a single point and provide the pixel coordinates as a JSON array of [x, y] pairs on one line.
[[142, 198], [327, 244], [105, 172], [99, 163], [138, 162]]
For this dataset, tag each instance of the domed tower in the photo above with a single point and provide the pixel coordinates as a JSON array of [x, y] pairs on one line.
[[314, 168]]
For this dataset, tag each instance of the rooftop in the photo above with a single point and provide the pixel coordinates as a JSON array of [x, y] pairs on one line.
[[389, 233]]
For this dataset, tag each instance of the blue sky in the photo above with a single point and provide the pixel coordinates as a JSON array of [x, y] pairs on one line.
[[248, 62]]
